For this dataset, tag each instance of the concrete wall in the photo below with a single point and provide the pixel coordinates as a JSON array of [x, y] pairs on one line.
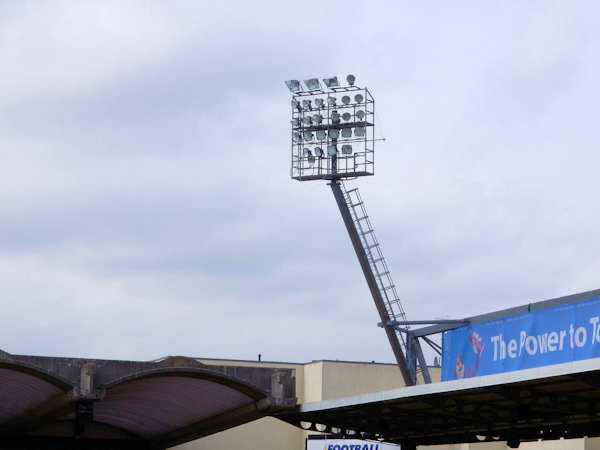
[[559, 444], [299, 370], [563, 444], [263, 434], [313, 383], [345, 379], [486, 446]]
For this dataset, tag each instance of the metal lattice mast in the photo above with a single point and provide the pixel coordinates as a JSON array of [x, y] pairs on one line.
[[325, 121], [379, 282], [369, 241]]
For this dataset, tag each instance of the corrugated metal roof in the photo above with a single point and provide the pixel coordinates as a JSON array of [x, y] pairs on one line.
[[153, 406], [22, 392], [46, 400], [542, 403]]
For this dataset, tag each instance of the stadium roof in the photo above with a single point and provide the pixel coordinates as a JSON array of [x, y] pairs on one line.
[[47, 402], [542, 403]]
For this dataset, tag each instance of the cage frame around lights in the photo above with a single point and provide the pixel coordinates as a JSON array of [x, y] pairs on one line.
[[361, 162]]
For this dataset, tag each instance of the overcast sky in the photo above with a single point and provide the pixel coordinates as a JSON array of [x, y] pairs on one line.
[[146, 206]]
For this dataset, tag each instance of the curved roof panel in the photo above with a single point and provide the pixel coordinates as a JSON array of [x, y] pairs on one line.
[[152, 406], [133, 403], [24, 391]]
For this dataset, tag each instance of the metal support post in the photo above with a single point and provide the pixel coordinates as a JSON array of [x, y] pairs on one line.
[[416, 355]]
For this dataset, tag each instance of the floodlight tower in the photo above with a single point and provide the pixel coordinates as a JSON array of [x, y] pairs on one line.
[[333, 138]]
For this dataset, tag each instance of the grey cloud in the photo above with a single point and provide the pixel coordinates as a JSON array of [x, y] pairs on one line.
[[145, 194]]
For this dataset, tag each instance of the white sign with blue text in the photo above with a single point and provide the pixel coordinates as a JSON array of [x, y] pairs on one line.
[[348, 444]]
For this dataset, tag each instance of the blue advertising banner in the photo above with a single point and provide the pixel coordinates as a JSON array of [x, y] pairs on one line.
[[555, 335]]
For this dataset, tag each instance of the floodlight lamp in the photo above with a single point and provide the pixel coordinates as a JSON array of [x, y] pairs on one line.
[[360, 114], [345, 99], [307, 152], [305, 425], [346, 116], [306, 104], [296, 137], [319, 102], [320, 427], [295, 122], [295, 104], [321, 135], [307, 120], [331, 82], [334, 134], [312, 84], [331, 150], [317, 118], [350, 79], [293, 85], [335, 117], [358, 98], [308, 136], [359, 131], [319, 152], [346, 132], [331, 101], [347, 149]]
